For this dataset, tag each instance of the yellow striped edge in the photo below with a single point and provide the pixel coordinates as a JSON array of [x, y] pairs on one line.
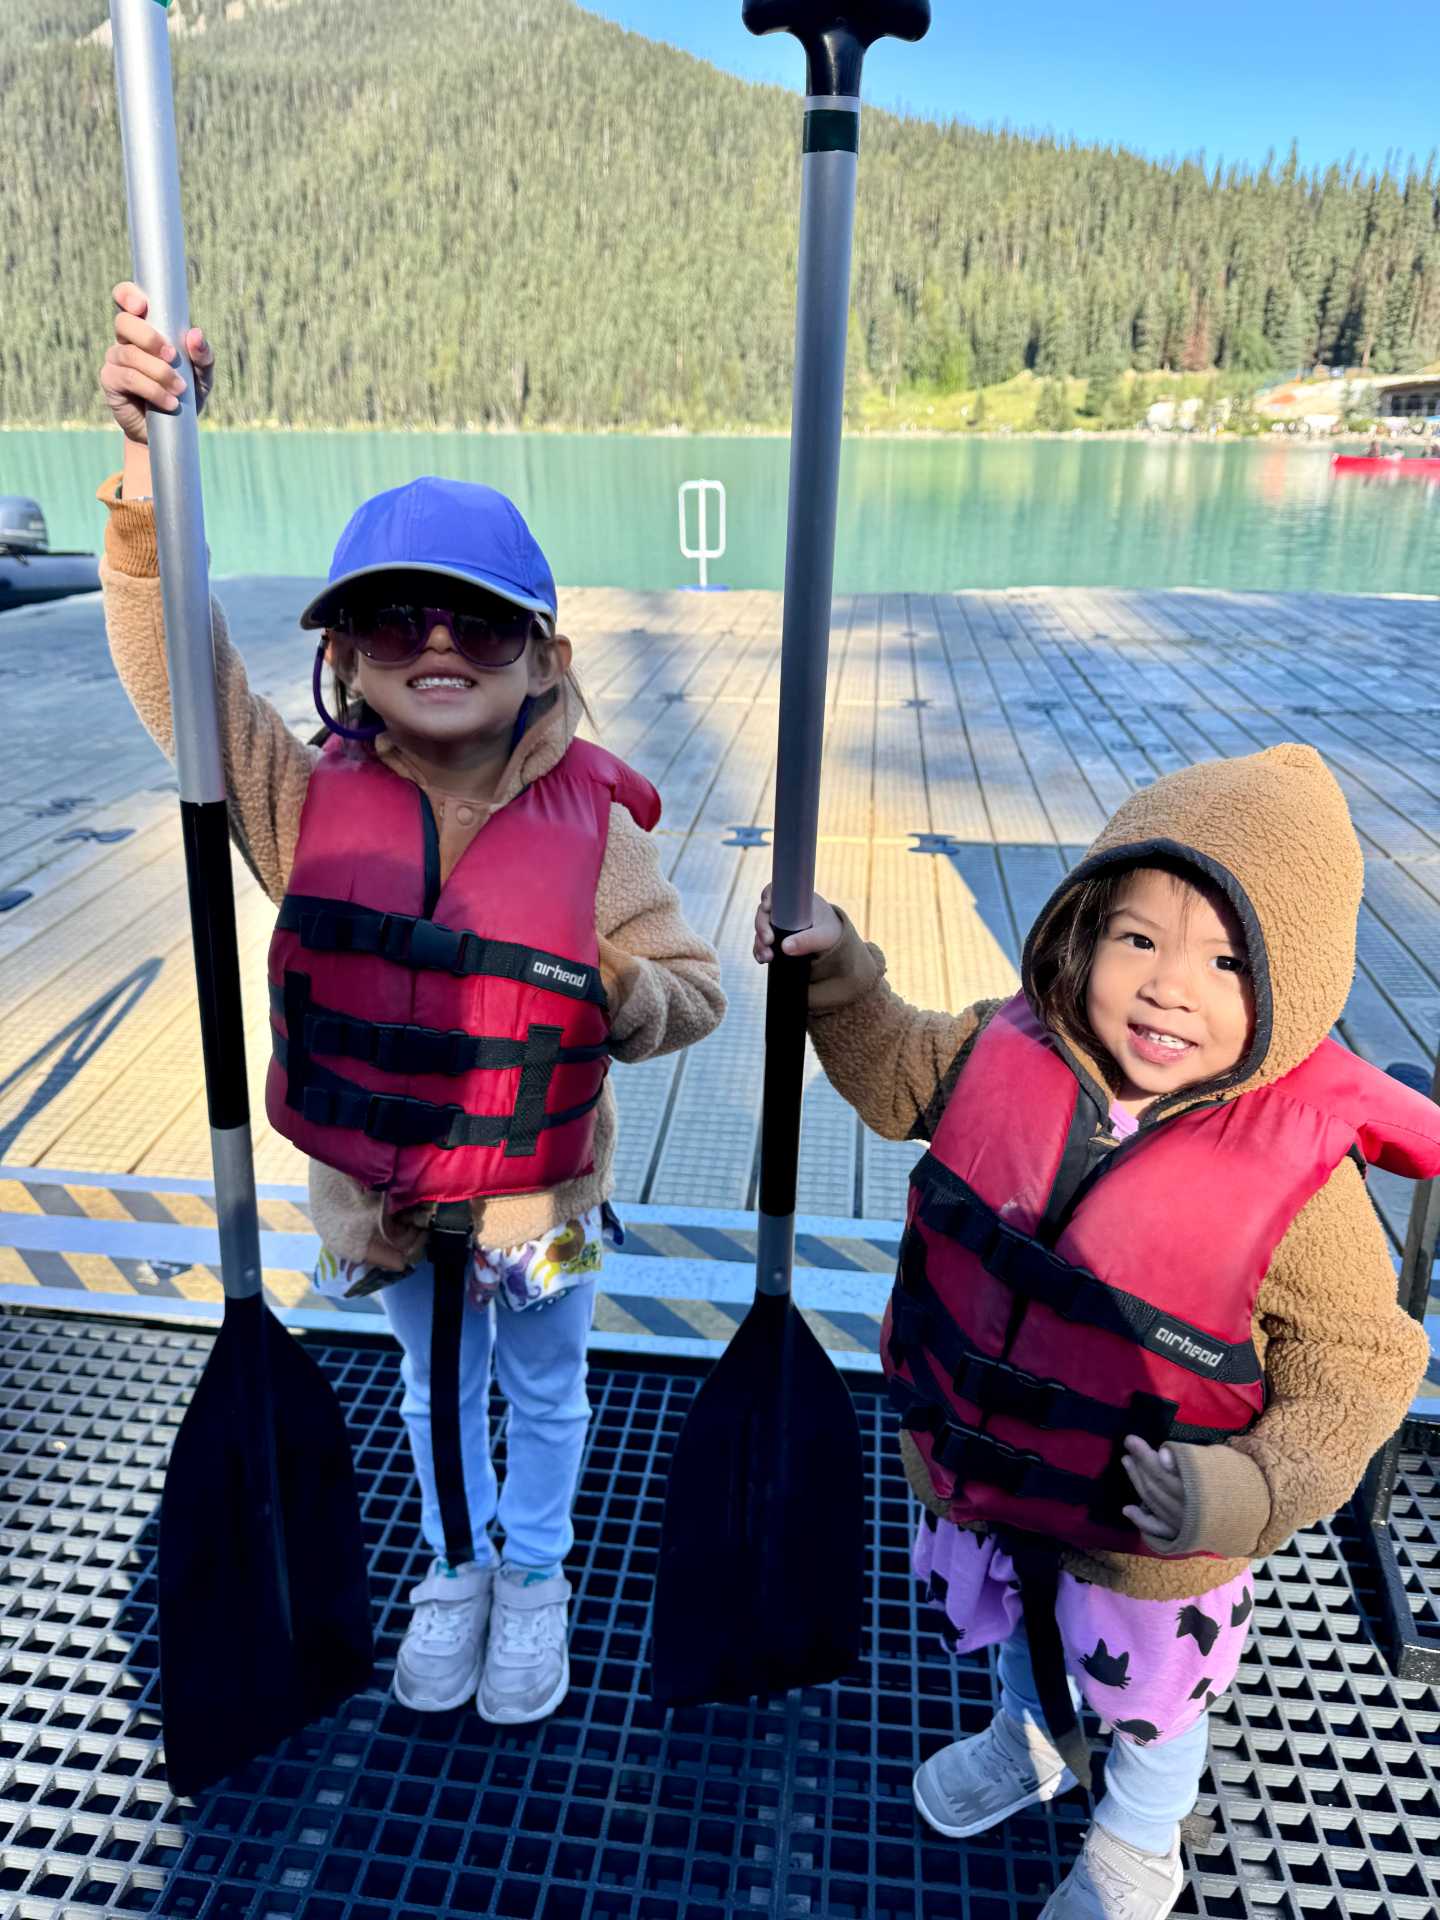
[[13, 1270], [611, 1317], [99, 1203], [283, 1216], [289, 1288], [704, 1316], [833, 1337], [197, 1283], [15, 1198], [190, 1209], [98, 1274]]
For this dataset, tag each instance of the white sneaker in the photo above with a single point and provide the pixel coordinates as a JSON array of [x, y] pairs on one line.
[[527, 1664], [438, 1665], [1115, 1881], [974, 1784]]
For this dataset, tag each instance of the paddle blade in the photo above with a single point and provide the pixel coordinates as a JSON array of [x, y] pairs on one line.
[[264, 1604], [760, 1580]]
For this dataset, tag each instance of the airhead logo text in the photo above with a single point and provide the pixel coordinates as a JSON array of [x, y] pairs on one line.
[[1188, 1348], [552, 970]]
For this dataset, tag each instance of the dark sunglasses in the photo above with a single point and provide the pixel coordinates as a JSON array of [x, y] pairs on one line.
[[393, 635]]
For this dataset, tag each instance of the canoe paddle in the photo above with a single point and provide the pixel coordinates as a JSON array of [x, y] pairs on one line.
[[760, 1582], [264, 1606]]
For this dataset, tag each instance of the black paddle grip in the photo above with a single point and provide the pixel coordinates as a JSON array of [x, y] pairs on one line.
[[205, 829], [835, 37], [787, 999]]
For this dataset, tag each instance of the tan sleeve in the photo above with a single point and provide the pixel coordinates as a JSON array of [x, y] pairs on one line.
[[1342, 1361], [895, 1064], [1226, 1503], [266, 768], [663, 980]]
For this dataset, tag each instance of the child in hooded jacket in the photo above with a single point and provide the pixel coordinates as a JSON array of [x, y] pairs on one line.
[[453, 690], [1178, 992]]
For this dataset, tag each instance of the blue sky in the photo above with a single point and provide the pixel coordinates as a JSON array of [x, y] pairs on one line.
[[1232, 77]]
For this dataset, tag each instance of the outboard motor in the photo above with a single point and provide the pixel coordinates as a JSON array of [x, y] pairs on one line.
[[29, 571], [22, 525]]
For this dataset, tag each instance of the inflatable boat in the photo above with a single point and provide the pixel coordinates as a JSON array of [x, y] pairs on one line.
[[29, 571]]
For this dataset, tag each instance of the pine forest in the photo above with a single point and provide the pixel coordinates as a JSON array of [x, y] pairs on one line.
[[464, 214]]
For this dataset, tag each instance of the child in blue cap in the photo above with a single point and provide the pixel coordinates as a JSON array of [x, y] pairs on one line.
[[473, 924]]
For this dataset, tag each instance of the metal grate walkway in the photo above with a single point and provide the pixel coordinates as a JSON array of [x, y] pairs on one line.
[[1324, 1785]]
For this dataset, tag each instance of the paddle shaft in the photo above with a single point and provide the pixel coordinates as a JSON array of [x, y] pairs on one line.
[[152, 182], [835, 51], [827, 209]]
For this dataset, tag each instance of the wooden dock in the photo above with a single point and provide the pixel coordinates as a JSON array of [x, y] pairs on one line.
[[976, 743]]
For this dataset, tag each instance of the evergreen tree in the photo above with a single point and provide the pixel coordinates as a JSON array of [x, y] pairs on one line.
[[1056, 352], [1101, 391], [1053, 413], [1146, 334]]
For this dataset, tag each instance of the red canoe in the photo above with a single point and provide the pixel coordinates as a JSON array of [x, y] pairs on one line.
[[1399, 469]]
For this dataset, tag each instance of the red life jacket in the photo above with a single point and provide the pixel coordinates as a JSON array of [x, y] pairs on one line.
[[444, 1043], [1035, 1322]]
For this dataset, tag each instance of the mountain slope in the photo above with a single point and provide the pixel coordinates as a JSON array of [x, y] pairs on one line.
[[524, 215]]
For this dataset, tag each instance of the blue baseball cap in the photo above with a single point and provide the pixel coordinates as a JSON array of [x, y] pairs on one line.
[[454, 528]]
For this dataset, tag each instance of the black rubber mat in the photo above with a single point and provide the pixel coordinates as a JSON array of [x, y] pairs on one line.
[[1325, 1773]]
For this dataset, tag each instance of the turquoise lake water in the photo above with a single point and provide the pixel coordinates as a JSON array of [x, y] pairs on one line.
[[927, 515]]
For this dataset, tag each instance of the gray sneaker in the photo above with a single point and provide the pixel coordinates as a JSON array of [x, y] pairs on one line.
[[438, 1665], [527, 1664], [1115, 1881], [974, 1784]]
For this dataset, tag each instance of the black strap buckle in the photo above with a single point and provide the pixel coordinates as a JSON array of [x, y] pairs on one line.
[[974, 1456], [434, 947], [399, 1122], [997, 1387], [401, 1049]]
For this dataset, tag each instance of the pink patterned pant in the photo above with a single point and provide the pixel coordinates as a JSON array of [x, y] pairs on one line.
[[1149, 1668]]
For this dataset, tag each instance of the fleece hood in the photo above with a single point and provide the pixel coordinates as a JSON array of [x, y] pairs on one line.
[[1271, 830]]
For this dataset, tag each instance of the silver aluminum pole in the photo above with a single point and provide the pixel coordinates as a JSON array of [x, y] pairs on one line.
[[827, 214], [835, 38], [152, 180]]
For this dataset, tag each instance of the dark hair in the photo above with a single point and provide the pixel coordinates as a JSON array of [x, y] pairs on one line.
[[1064, 953], [1062, 957]]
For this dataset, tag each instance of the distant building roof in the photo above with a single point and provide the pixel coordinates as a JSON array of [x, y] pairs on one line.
[[1388, 382]]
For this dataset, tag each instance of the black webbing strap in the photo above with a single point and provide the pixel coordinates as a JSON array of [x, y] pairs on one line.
[[448, 1248], [403, 1049], [919, 1322], [971, 1455], [994, 1386], [949, 1207], [529, 1119], [1037, 1567], [328, 1100], [294, 1057], [339, 926]]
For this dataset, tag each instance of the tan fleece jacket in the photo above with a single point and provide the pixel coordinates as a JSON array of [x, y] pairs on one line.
[[662, 979], [1342, 1359]]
